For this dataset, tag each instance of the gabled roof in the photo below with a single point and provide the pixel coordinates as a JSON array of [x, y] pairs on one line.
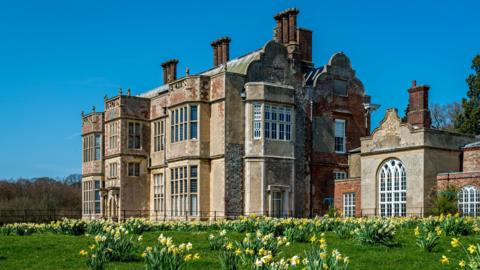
[[154, 92], [238, 65]]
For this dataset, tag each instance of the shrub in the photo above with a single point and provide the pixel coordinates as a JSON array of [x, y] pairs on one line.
[[376, 231], [97, 255], [427, 239], [69, 226], [229, 259], [455, 225], [446, 201], [345, 229], [122, 245], [165, 255], [217, 242], [318, 257]]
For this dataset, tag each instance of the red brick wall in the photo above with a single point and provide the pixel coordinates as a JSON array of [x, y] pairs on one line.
[[350, 109], [348, 186], [458, 180], [471, 160]]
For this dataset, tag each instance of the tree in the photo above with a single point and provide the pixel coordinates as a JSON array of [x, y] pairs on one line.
[[468, 121], [444, 115]]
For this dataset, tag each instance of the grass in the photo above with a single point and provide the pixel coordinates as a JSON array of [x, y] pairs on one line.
[[53, 251]]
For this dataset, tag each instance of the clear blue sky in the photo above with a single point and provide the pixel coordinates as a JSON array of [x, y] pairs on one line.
[[58, 58]]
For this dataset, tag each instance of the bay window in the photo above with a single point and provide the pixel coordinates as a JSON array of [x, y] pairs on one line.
[[184, 123]]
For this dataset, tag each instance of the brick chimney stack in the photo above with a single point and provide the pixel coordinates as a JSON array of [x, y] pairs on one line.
[[286, 30], [169, 70], [297, 40], [221, 51], [418, 112]]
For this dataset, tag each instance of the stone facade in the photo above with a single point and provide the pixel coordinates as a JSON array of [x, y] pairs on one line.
[[397, 166], [469, 175], [254, 134]]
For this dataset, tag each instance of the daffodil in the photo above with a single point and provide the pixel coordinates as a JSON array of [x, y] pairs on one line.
[[472, 249], [455, 242], [444, 260]]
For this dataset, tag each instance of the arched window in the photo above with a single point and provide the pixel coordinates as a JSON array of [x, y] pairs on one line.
[[392, 189], [469, 201]]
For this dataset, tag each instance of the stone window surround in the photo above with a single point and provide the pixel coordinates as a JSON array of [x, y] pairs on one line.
[[344, 143], [159, 135], [184, 197], [259, 121], [159, 192], [286, 190], [389, 192], [135, 169], [135, 134], [92, 147], [187, 122], [113, 135]]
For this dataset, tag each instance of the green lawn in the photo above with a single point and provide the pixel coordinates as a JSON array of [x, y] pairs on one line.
[[53, 251]]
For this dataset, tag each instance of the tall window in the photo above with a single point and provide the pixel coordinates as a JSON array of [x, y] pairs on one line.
[[277, 201], [340, 136], [257, 121], [193, 122], [469, 201], [184, 190], [134, 135], [113, 138], [87, 187], [158, 192], [278, 122], [193, 190], [134, 169], [97, 196], [92, 147], [91, 196], [349, 204], [159, 135], [113, 169], [98, 146], [181, 120], [393, 189]]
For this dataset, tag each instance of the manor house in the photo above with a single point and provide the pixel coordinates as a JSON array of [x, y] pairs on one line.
[[264, 133], [267, 133]]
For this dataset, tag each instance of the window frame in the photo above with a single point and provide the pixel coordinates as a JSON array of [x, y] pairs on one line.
[[343, 136], [113, 135], [392, 198], [469, 200], [340, 175], [159, 192], [181, 195], [349, 202], [181, 123], [134, 135], [133, 169]]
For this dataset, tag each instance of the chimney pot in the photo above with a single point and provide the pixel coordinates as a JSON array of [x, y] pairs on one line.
[[418, 111], [221, 51], [169, 70]]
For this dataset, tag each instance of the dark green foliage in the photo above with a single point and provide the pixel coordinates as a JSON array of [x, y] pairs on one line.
[[446, 201], [468, 121]]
